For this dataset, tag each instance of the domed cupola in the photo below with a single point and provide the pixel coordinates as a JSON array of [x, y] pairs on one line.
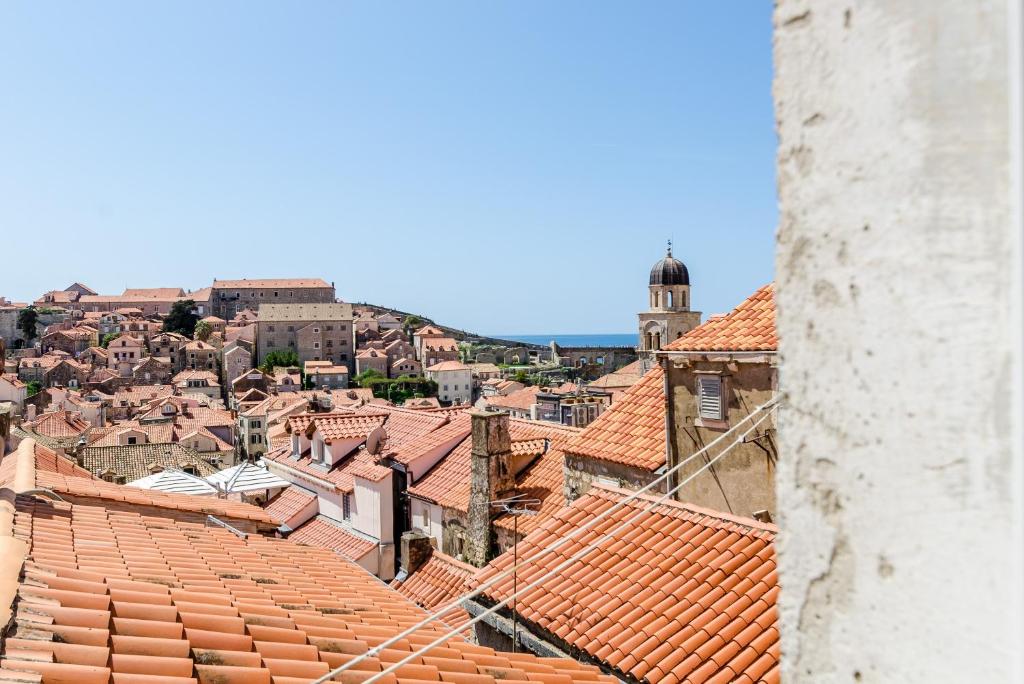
[[669, 271]]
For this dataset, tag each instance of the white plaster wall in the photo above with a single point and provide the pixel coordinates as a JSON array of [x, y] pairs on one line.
[[373, 514], [421, 511], [898, 280]]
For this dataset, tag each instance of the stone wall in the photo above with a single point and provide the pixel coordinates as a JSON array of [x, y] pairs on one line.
[[582, 472], [742, 481]]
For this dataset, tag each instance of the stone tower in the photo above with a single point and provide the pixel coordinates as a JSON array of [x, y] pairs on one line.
[[668, 315]]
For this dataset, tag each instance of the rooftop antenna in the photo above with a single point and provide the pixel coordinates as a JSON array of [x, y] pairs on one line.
[[516, 506]]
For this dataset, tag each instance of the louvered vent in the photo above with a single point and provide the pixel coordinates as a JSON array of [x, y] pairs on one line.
[[710, 399]]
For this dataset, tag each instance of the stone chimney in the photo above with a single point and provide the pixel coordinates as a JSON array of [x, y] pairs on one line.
[[490, 477], [416, 550]]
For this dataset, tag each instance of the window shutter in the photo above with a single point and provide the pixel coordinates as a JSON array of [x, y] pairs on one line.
[[710, 399]]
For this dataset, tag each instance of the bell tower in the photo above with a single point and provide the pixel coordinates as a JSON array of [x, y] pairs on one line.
[[668, 316]]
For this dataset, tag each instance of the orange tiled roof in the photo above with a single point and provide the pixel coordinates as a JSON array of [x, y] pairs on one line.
[[447, 483], [632, 430], [748, 327], [325, 533], [341, 475], [59, 424], [455, 430], [520, 400], [685, 594], [448, 366], [544, 479], [404, 425], [100, 489], [440, 344], [345, 427], [113, 595], [289, 502], [437, 583]]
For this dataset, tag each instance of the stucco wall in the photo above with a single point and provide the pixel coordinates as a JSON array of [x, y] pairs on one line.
[[743, 481], [898, 291]]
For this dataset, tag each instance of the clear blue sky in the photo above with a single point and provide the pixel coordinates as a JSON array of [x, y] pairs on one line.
[[505, 167]]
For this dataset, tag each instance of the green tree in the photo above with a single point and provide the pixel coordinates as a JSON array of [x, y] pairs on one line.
[[107, 339], [33, 387], [279, 357], [27, 319], [181, 319], [368, 377], [412, 321], [203, 330]]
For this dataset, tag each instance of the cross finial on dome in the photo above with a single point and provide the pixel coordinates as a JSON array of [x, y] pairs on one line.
[[670, 246]]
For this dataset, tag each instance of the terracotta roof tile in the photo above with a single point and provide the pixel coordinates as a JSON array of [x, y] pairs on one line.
[[520, 400], [748, 327], [59, 424], [436, 583], [289, 502], [683, 594], [323, 532], [632, 430], [447, 483], [107, 491]]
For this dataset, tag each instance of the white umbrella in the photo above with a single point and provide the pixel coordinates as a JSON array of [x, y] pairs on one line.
[[176, 481], [246, 477]]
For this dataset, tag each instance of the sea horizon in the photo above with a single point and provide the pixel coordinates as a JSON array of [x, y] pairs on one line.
[[577, 339]]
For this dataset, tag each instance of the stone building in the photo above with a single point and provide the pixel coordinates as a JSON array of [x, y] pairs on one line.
[[325, 375], [229, 297], [152, 370], [435, 350], [124, 353], [199, 355], [315, 332], [236, 360], [168, 345], [405, 366], [668, 315], [716, 375], [372, 359]]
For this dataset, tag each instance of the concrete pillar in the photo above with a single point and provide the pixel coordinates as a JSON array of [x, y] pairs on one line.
[[490, 476], [899, 314]]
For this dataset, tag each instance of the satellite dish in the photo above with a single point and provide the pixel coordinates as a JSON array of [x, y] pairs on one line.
[[375, 439]]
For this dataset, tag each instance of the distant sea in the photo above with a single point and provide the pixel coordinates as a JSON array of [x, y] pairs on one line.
[[606, 340]]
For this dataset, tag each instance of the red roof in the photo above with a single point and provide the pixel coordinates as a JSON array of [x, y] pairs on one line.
[[684, 594], [437, 583], [447, 483], [632, 430], [111, 593], [748, 327], [323, 532], [289, 502]]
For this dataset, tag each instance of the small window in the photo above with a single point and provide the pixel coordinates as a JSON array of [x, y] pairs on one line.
[[132, 440], [709, 397], [346, 506]]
